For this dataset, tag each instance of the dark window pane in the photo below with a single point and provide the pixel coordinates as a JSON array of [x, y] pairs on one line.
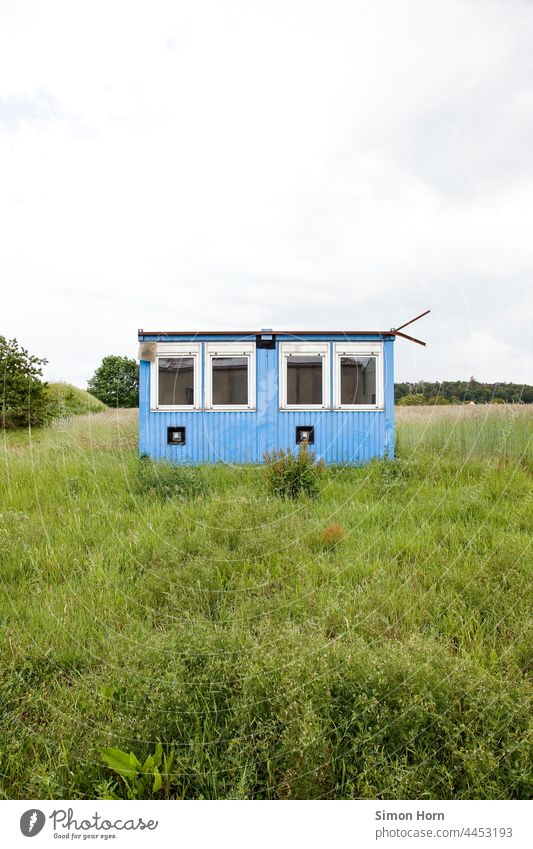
[[358, 380], [304, 380], [176, 381], [230, 381]]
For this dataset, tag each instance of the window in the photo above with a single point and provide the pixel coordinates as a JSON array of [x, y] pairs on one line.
[[230, 376], [176, 382], [230, 381], [304, 380], [358, 376], [304, 375]]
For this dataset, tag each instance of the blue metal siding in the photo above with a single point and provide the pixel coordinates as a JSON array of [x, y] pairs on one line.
[[388, 398], [341, 437]]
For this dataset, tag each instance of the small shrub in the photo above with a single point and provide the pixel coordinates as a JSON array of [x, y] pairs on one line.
[[169, 481], [411, 401], [438, 401], [331, 536], [290, 474]]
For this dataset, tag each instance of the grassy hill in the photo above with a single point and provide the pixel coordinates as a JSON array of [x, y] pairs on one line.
[[393, 659], [72, 401]]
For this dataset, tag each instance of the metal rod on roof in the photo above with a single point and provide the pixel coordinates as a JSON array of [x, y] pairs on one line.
[[422, 314], [411, 338]]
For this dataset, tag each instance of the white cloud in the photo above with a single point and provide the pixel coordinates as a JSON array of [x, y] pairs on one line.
[[286, 164]]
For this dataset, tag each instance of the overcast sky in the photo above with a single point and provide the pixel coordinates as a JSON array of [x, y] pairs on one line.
[[239, 165]]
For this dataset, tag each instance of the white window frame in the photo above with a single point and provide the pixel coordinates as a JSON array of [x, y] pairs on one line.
[[229, 349], [304, 349], [358, 349], [167, 350]]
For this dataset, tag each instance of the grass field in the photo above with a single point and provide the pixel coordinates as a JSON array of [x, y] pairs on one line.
[[393, 659]]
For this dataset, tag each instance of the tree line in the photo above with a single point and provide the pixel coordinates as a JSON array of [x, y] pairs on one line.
[[462, 392]]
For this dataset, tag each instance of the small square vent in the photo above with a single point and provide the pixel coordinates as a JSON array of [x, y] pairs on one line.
[[176, 435], [305, 433]]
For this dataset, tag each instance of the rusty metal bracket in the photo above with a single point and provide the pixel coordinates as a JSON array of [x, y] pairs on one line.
[[396, 330]]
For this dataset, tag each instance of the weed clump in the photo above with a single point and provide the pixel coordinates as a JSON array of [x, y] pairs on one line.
[[331, 536], [290, 474], [165, 480], [142, 781]]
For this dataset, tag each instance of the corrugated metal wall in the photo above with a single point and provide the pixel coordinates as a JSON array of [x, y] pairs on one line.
[[341, 437]]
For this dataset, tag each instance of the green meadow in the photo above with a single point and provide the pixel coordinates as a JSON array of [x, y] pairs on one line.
[[373, 642]]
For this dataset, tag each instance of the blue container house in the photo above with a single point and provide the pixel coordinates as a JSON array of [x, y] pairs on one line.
[[226, 396]]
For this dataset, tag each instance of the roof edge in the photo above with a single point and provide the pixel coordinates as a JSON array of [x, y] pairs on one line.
[[142, 332]]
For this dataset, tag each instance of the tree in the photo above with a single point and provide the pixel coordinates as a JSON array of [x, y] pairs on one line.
[[24, 399], [116, 382]]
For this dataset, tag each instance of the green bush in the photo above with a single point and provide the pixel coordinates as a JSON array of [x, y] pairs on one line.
[[290, 474], [167, 480], [411, 400], [422, 400], [437, 400], [24, 400], [116, 382]]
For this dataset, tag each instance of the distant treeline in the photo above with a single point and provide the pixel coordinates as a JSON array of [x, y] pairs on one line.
[[461, 392]]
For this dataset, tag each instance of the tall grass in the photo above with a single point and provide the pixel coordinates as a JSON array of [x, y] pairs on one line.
[[495, 432], [396, 663]]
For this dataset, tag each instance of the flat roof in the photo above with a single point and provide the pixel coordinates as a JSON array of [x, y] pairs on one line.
[[266, 332]]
